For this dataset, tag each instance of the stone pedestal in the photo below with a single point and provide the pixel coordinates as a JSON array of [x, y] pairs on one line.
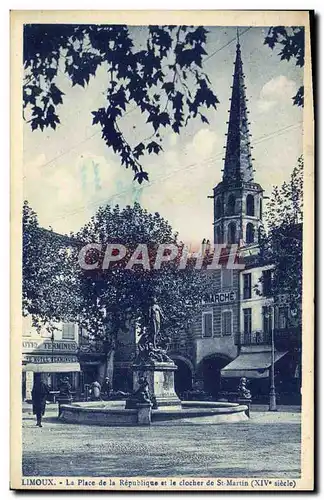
[[144, 413], [247, 402], [160, 377]]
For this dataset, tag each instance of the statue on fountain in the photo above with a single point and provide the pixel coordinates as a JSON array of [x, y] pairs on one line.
[[141, 395], [152, 345], [242, 390], [153, 369]]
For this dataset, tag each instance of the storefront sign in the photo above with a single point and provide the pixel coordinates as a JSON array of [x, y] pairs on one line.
[[41, 345], [219, 298], [50, 359]]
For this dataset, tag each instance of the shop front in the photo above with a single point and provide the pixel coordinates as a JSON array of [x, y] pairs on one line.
[[53, 360]]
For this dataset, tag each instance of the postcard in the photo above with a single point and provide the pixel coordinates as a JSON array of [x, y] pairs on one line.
[[162, 235]]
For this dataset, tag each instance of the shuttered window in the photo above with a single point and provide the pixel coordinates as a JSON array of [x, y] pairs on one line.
[[247, 291], [227, 323], [247, 320], [207, 324], [68, 331], [227, 278]]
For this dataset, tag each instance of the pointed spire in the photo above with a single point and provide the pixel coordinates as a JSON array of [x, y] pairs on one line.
[[238, 161]]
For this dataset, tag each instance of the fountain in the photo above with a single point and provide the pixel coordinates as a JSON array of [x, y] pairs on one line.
[[154, 398]]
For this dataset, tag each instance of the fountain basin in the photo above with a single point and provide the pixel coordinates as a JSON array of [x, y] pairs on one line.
[[113, 413]]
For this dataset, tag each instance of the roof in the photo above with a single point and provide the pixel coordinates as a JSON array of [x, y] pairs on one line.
[[238, 161]]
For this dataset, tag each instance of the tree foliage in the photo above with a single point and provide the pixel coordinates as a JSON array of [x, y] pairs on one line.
[[110, 297], [283, 244], [49, 280], [164, 80], [56, 288], [292, 46]]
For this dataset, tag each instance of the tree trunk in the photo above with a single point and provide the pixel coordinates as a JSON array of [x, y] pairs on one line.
[[110, 366], [106, 368]]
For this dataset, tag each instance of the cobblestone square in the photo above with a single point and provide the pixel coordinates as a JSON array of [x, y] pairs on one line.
[[268, 445]]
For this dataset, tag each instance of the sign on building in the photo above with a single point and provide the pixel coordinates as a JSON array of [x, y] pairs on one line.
[[219, 298]]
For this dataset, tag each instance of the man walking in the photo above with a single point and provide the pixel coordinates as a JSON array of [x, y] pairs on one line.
[[40, 394]]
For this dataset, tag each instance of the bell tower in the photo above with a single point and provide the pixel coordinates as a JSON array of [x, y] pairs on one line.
[[237, 198]]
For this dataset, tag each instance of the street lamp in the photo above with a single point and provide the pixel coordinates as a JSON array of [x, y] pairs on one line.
[[272, 393], [52, 375], [52, 340]]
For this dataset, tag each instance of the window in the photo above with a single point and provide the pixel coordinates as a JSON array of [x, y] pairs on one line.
[[267, 319], [260, 208], [227, 323], [227, 278], [231, 205], [218, 208], [247, 289], [282, 317], [218, 234], [207, 324], [266, 282], [232, 232], [249, 233], [249, 205], [68, 331], [247, 320]]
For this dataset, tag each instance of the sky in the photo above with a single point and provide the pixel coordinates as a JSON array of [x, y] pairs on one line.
[[70, 172]]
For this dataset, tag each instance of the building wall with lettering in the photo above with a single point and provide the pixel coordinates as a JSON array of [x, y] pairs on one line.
[[221, 297], [64, 340], [39, 348]]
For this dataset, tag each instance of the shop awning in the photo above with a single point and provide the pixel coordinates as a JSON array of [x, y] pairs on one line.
[[51, 367], [251, 365]]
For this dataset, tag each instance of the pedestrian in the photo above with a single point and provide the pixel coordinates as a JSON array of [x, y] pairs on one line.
[[106, 388], [40, 393], [95, 391], [65, 387]]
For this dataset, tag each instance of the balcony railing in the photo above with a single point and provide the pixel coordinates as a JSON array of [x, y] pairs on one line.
[[253, 338], [281, 336]]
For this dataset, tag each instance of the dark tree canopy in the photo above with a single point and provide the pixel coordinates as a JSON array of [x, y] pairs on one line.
[[164, 80], [109, 297], [56, 288], [283, 244], [292, 46], [49, 280]]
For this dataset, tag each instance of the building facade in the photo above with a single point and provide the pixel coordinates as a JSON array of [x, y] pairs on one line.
[[53, 355], [266, 318]]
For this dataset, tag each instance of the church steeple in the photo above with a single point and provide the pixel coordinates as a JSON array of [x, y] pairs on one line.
[[237, 198], [238, 161]]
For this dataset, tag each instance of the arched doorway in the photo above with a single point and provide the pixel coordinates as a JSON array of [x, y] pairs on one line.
[[210, 372], [183, 375]]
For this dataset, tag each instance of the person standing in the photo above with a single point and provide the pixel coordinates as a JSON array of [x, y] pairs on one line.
[[95, 391], [40, 394], [65, 388], [106, 388]]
